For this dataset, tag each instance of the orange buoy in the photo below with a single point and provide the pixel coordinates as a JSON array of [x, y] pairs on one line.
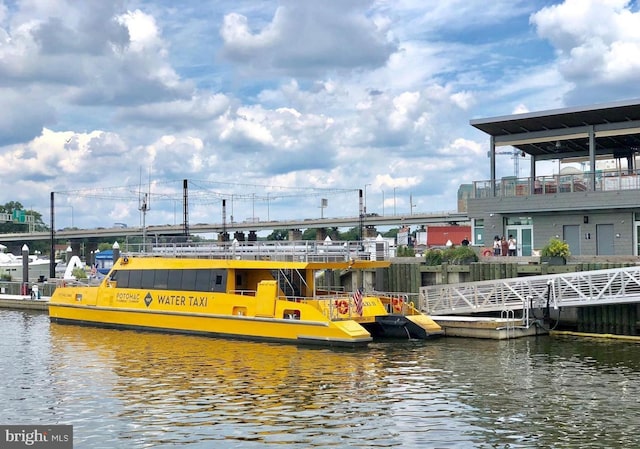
[[397, 304], [342, 306]]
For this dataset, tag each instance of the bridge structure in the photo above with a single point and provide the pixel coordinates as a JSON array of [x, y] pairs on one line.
[[369, 220], [578, 289]]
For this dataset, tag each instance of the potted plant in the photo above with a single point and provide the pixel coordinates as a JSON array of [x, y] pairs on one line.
[[555, 252]]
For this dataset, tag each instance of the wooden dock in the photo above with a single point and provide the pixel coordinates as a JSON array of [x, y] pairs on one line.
[[21, 302]]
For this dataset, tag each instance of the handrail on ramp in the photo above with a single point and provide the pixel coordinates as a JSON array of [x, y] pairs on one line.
[[584, 288]]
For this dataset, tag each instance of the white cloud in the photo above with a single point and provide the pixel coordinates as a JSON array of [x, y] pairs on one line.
[[308, 38], [288, 94], [597, 43]]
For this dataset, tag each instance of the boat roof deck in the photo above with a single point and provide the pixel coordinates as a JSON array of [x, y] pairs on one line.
[[283, 251]]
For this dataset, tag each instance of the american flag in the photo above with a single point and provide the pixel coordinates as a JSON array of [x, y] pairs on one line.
[[357, 300]]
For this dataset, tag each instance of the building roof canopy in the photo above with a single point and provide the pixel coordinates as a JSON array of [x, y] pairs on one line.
[[564, 133]]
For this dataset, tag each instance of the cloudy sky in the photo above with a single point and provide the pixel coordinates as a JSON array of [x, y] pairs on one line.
[[275, 105]]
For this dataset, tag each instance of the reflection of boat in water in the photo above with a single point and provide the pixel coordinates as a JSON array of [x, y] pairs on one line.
[[282, 293], [11, 265], [151, 390]]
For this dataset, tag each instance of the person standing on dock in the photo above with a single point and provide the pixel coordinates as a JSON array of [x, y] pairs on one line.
[[504, 246], [512, 246], [497, 246]]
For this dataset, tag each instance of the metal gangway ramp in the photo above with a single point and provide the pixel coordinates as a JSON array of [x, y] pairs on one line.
[[584, 288]]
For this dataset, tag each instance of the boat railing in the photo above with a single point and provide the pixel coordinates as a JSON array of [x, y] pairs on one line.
[[400, 302], [296, 251], [341, 305], [243, 292]]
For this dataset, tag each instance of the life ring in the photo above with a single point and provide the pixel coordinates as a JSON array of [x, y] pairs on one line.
[[397, 304], [342, 306], [487, 252]]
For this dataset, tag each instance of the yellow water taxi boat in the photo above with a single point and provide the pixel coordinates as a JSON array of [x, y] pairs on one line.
[[277, 295]]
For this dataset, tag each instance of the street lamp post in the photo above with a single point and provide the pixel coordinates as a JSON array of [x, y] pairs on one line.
[[382, 202], [268, 216], [394, 201], [365, 197]]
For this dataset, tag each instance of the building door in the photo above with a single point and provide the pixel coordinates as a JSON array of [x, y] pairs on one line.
[[604, 240], [524, 238], [571, 235]]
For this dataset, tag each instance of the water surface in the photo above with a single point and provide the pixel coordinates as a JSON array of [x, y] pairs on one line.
[[138, 390]]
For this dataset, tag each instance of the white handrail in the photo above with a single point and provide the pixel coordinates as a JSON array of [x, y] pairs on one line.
[[585, 288]]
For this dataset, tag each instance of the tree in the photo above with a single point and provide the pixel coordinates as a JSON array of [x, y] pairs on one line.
[[351, 235], [278, 234], [309, 234], [392, 233]]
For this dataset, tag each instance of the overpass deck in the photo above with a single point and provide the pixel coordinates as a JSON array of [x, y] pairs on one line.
[[204, 228]]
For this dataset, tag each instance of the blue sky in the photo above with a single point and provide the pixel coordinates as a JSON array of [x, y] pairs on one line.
[[277, 104]]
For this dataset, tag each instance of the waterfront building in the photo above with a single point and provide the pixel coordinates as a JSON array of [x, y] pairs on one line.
[[594, 208]]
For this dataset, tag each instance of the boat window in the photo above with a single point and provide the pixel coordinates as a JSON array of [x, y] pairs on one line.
[[135, 278], [162, 279], [121, 278], [289, 314], [175, 280], [203, 281], [148, 278], [188, 280]]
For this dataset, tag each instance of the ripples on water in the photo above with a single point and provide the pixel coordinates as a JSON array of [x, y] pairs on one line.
[[137, 390]]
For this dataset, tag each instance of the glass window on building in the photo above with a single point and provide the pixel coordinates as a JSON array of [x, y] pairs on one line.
[[518, 221], [478, 231]]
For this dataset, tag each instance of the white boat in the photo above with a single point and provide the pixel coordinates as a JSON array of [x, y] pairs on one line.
[[11, 266]]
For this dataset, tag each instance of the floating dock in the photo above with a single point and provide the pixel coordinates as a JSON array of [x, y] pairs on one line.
[[486, 327]]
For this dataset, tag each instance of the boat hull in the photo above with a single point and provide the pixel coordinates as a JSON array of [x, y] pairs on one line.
[[343, 333], [418, 327]]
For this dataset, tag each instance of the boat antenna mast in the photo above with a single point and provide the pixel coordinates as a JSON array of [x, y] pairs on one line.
[[144, 206]]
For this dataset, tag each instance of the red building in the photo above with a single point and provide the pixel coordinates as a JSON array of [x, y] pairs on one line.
[[439, 235]]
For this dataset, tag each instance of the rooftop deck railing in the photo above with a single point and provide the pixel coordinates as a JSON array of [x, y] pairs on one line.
[[603, 181], [296, 251]]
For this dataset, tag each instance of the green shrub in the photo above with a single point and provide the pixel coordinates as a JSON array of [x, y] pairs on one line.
[[79, 273], [555, 248], [405, 251], [433, 257], [455, 255], [458, 255]]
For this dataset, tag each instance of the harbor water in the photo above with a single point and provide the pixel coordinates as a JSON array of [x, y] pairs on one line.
[[149, 390]]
